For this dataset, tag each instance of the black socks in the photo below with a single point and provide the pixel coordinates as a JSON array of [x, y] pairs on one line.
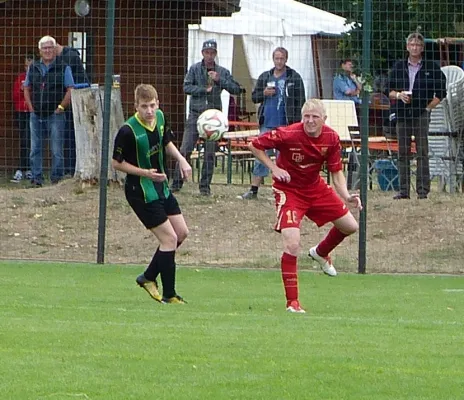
[[167, 265], [152, 271], [163, 262]]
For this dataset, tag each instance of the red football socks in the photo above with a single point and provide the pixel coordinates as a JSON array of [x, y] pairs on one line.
[[288, 266], [332, 240]]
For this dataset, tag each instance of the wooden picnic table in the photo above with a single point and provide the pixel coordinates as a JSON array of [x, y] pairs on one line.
[[237, 143]]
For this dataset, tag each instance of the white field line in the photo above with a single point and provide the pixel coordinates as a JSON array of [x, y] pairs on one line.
[[239, 314]]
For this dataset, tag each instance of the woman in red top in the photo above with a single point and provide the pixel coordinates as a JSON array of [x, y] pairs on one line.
[[21, 116]]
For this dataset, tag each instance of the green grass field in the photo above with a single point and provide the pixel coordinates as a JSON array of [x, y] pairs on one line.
[[88, 332]]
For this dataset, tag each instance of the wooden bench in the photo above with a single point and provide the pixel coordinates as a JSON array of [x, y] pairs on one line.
[[195, 162]]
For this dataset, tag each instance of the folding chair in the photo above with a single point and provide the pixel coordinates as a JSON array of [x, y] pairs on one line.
[[446, 130]]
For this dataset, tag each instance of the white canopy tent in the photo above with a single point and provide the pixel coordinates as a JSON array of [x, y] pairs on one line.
[[247, 39]]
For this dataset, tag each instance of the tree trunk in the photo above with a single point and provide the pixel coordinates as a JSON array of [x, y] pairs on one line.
[[87, 105]]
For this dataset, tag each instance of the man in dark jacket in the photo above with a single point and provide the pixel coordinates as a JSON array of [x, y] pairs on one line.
[[71, 57], [415, 86], [204, 83], [47, 92], [281, 93]]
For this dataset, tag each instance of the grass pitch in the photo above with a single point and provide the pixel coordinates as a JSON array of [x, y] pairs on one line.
[[72, 331]]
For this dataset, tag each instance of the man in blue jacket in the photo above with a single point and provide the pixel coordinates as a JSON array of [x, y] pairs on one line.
[[415, 86], [281, 93], [71, 57], [204, 83]]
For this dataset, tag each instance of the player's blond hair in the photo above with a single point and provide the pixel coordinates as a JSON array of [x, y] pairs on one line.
[[144, 92], [314, 104]]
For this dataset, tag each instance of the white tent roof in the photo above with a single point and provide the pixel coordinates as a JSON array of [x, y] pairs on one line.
[[276, 18], [256, 24], [247, 39]]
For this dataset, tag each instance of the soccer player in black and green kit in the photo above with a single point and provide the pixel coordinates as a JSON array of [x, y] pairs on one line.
[[140, 150]]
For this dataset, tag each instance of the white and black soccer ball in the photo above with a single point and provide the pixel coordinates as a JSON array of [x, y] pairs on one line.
[[212, 124]]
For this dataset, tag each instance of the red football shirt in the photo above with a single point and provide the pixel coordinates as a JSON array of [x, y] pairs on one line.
[[302, 156]]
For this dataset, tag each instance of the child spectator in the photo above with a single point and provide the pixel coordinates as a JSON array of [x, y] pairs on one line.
[[21, 117]]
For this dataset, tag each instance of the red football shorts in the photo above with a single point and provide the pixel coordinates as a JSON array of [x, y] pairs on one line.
[[321, 206]]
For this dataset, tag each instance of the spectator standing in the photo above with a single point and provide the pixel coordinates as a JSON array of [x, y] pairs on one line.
[[346, 85], [47, 91], [21, 116], [300, 191], [415, 86], [204, 83], [71, 57], [281, 95]]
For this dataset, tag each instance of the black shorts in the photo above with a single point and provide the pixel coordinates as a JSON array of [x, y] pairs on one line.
[[156, 212]]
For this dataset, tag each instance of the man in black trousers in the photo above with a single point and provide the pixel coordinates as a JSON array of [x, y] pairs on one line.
[[415, 86]]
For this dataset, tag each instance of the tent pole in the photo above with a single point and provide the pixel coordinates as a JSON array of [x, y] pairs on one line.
[[317, 66]]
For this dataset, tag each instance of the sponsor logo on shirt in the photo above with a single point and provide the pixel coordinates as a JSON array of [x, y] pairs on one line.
[[297, 157], [154, 150]]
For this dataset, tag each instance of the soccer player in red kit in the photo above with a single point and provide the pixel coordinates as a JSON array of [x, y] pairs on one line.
[[300, 191]]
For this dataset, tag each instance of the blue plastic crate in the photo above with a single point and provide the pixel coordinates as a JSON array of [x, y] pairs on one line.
[[387, 175]]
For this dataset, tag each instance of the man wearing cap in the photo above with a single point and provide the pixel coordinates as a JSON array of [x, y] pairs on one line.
[[204, 83]]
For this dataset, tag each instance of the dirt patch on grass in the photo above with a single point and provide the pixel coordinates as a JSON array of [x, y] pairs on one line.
[[61, 223]]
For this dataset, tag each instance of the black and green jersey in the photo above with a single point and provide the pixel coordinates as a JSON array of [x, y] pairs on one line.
[[144, 147]]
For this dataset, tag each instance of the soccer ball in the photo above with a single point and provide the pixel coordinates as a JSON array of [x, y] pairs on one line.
[[212, 124]]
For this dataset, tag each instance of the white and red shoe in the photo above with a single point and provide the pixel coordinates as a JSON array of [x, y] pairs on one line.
[[294, 307], [324, 262]]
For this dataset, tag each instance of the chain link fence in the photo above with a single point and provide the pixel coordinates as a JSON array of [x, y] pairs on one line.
[[345, 52]]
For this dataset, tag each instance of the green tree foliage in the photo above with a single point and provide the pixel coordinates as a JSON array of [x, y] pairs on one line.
[[392, 22]]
